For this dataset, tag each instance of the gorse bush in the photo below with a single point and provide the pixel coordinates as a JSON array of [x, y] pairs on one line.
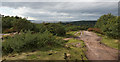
[[28, 41]]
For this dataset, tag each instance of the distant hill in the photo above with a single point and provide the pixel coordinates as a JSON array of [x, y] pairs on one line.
[[82, 23], [78, 23]]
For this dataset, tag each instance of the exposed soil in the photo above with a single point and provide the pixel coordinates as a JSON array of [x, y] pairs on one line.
[[96, 50]]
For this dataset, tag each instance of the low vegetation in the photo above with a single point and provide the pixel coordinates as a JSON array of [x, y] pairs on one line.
[[113, 43], [29, 41], [73, 48]]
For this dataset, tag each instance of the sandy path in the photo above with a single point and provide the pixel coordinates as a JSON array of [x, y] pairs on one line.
[[97, 51]]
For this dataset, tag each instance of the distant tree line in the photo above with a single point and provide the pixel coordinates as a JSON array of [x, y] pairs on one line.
[[89, 23]]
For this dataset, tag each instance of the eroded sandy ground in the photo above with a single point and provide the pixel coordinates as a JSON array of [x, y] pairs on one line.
[[97, 51]]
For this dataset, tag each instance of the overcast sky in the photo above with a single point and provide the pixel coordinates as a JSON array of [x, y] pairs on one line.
[[59, 11], [60, 0]]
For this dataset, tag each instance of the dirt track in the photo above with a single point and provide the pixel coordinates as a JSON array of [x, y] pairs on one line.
[[97, 51]]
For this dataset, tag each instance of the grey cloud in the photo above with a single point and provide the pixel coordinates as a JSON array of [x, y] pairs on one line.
[[77, 10]]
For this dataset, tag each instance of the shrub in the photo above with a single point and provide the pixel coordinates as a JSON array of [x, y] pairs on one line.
[[17, 23], [54, 28], [28, 41], [109, 25], [39, 28], [22, 24]]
